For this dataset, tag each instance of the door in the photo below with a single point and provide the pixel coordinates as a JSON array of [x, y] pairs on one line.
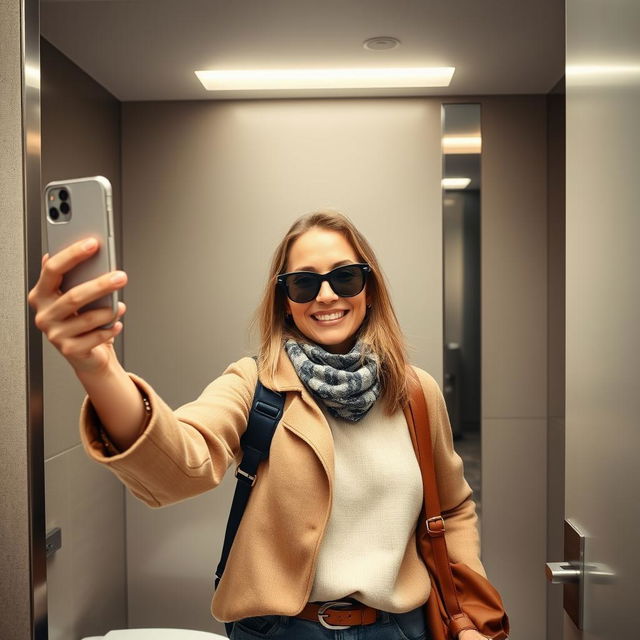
[[602, 492]]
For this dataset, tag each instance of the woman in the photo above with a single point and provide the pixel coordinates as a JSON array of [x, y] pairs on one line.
[[333, 513]]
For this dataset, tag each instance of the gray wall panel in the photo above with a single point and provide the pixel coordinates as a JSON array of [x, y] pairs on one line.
[[80, 137], [556, 351], [603, 311]]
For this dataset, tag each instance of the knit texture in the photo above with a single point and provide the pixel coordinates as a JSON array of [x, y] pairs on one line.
[[368, 551], [347, 389]]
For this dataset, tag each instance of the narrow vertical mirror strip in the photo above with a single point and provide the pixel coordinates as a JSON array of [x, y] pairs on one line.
[[461, 153]]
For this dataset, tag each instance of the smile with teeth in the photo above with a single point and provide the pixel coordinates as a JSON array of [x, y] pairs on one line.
[[329, 318]]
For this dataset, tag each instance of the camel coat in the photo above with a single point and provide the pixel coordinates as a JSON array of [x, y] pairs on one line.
[[270, 568]]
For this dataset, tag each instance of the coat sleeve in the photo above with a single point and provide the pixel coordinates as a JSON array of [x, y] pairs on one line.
[[185, 452], [456, 496]]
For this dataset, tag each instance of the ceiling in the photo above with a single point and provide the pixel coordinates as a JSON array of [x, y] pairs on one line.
[[149, 49]]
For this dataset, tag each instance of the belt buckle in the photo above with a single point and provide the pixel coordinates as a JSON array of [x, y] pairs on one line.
[[328, 605]]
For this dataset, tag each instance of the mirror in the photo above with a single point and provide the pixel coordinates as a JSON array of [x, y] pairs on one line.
[[461, 155], [203, 191]]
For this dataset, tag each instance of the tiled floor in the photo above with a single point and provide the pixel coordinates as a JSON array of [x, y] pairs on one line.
[[468, 447]]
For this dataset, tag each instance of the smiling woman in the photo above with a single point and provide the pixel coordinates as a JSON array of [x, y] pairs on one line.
[[353, 369], [354, 293]]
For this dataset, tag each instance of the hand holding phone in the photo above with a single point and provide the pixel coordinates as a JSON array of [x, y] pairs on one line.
[[76, 280]]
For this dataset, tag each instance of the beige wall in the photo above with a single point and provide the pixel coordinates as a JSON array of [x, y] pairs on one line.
[[86, 578], [15, 587], [208, 191]]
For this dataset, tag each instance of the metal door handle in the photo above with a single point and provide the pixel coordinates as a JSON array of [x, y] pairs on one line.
[[562, 573], [566, 573]]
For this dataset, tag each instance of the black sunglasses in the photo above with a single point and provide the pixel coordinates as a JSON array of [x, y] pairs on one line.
[[303, 286]]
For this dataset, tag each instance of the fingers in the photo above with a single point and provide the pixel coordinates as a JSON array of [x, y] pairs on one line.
[[35, 294], [76, 326], [67, 304], [54, 267], [76, 337], [81, 346]]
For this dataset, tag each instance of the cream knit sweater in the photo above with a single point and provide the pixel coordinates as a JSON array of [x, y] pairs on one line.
[[376, 503]]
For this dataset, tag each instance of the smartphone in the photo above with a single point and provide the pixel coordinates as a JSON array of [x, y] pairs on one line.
[[76, 209]]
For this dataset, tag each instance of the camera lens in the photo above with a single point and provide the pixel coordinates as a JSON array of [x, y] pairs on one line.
[[64, 195], [53, 213], [64, 207]]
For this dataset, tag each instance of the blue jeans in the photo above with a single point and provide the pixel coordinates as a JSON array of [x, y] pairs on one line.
[[389, 626]]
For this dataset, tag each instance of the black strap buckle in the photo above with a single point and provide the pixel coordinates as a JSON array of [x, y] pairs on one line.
[[246, 475]]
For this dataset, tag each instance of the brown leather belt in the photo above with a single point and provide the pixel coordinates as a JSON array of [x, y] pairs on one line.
[[333, 615]]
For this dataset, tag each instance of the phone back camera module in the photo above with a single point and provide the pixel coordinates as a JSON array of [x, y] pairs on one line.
[[59, 205]]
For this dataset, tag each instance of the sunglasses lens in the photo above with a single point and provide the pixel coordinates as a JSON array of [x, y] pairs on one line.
[[302, 288], [346, 281]]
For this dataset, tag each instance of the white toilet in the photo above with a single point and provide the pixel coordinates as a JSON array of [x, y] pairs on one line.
[[157, 634]]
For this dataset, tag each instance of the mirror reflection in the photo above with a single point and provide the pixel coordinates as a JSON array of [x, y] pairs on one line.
[[212, 200], [461, 154]]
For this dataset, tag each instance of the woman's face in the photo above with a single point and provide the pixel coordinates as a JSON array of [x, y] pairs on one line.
[[321, 250]]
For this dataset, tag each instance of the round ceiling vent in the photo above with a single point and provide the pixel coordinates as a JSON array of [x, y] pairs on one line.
[[381, 43]]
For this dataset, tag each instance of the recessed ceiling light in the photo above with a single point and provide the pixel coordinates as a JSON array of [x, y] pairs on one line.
[[455, 183], [381, 43], [269, 79]]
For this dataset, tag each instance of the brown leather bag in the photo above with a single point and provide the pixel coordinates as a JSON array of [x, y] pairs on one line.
[[460, 597]]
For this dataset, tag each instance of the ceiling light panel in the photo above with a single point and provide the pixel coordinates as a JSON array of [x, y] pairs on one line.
[[278, 79]]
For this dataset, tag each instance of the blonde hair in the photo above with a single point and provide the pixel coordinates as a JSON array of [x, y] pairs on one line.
[[379, 330]]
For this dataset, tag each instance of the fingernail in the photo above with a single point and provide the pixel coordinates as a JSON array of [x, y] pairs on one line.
[[118, 276], [89, 244]]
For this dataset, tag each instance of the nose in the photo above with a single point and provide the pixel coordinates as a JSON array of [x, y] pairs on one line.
[[326, 293]]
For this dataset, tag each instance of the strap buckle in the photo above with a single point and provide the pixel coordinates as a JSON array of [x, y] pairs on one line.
[[329, 605], [246, 475], [438, 531]]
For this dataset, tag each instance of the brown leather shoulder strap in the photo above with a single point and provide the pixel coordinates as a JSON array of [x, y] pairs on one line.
[[418, 421]]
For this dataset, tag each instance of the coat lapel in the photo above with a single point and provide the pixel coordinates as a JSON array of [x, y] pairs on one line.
[[302, 416], [414, 388]]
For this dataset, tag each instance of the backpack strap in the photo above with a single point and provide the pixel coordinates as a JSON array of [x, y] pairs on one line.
[[264, 417]]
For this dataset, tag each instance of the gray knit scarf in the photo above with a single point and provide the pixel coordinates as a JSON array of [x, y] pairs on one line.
[[347, 389]]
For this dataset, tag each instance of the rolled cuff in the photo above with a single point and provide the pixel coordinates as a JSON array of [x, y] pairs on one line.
[[94, 436]]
